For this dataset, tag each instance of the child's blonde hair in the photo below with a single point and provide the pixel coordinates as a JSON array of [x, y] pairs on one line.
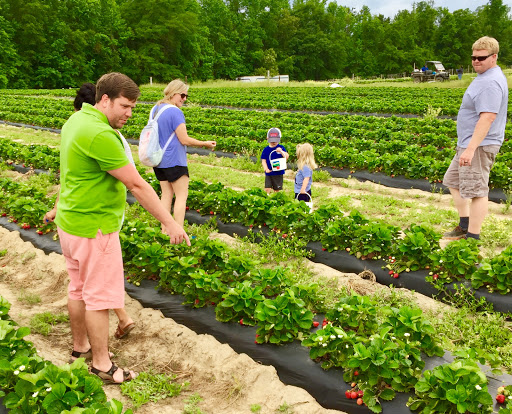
[[305, 156]]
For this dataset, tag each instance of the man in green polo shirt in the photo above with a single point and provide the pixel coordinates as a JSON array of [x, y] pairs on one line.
[[95, 173]]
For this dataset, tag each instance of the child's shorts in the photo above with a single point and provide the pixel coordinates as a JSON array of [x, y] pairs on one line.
[[274, 181]]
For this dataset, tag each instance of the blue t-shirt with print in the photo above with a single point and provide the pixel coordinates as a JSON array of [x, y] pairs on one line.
[[268, 154], [299, 178], [176, 153]]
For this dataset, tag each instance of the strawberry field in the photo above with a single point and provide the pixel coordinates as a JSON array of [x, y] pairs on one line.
[[384, 347]]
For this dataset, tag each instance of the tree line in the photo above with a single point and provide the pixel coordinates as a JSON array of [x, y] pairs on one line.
[[62, 43]]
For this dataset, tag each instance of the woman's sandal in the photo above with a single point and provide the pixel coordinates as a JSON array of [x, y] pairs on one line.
[[122, 332], [108, 376]]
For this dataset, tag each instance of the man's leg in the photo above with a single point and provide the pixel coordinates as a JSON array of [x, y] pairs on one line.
[[97, 326], [461, 204], [76, 309], [477, 213]]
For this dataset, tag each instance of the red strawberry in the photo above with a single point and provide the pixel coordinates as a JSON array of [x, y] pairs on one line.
[[353, 395], [324, 249], [359, 401], [315, 324], [187, 208], [391, 272], [356, 373], [4, 214], [500, 398], [395, 275], [360, 393], [40, 232], [435, 276], [348, 394], [196, 301], [241, 321], [212, 213], [285, 236]]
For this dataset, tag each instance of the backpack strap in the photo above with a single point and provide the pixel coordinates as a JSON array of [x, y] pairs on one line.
[[168, 141], [167, 106]]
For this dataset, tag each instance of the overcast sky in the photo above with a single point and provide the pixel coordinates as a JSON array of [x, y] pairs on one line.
[[389, 8]]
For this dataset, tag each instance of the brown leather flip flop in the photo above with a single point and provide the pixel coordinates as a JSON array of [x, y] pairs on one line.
[[122, 332]]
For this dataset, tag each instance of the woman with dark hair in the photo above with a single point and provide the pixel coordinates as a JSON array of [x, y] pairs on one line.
[[86, 93]]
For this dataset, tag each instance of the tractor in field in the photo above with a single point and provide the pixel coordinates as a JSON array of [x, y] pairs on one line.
[[433, 71]]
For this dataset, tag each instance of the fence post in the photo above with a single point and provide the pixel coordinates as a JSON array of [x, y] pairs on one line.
[[151, 80]]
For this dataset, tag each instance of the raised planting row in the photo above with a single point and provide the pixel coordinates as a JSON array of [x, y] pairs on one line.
[[330, 225], [413, 148], [30, 384], [368, 99], [379, 348]]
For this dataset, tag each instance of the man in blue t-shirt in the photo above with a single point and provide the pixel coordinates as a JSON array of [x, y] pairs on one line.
[[480, 130], [273, 161]]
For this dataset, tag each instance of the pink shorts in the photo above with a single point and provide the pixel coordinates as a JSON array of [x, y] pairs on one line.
[[95, 268]]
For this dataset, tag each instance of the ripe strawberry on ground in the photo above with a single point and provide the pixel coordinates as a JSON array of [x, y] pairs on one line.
[[39, 232], [353, 395], [500, 398], [315, 324], [359, 401], [348, 394]]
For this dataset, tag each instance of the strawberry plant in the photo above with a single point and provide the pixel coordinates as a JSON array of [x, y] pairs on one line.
[[495, 273], [177, 272], [383, 366], [282, 319], [373, 239], [203, 288], [414, 250], [456, 260], [332, 346], [311, 226], [407, 320], [272, 281], [236, 268], [504, 396], [338, 234], [354, 313], [239, 303], [457, 387]]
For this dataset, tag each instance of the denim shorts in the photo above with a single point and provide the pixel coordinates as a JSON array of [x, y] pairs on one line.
[[472, 180]]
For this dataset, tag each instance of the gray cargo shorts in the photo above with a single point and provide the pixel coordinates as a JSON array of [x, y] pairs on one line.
[[472, 180]]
